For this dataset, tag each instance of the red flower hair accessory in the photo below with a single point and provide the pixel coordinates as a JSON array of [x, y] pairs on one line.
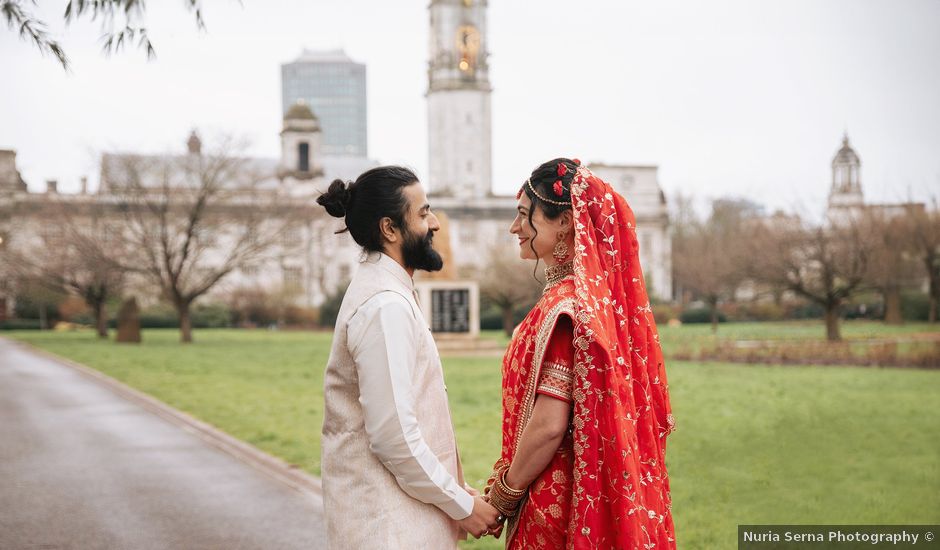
[[559, 190], [577, 162], [562, 169]]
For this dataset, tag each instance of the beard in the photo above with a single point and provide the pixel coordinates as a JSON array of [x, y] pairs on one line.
[[418, 253]]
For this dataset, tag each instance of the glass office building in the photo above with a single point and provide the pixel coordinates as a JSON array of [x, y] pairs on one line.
[[334, 86]]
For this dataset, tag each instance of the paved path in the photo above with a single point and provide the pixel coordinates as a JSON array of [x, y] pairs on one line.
[[84, 468]]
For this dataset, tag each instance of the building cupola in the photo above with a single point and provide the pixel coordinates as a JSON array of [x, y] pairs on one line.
[[846, 189], [300, 143]]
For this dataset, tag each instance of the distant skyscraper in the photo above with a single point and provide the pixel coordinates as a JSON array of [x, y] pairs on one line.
[[334, 87]]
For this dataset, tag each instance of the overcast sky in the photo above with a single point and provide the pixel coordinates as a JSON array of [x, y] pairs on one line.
[[744, 98]]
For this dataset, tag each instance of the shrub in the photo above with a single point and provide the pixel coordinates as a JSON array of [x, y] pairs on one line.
[[804, 310], [302, 316], [700, 315], [491, 317], [87, 319], [329, 309], [760, 311], [211, 315], [914, 306], [252, 306], [663, 312], [20, 324], [159, 316], [73, 307], [864, 309], [28, 308]]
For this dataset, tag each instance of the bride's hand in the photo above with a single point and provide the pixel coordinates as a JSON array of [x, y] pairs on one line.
[[498, 531]]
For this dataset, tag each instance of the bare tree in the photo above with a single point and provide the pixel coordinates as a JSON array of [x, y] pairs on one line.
[[924, 225], [708, 257], [120, 23], [824, 264], [684, 219], [507, 281], [34, 293], [890, 269], [195, 219], [77, 254]]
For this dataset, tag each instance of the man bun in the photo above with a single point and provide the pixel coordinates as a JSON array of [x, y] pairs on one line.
[[376, 194], [336, 199]]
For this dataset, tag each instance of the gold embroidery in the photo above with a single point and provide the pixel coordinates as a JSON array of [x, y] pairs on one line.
[[567, 306], [557, 380]]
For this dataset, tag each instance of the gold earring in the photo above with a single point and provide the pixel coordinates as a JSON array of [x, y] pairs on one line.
[[560, 252]]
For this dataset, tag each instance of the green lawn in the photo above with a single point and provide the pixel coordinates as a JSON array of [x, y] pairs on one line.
[[696, 336], [755, 444], [794, 330]]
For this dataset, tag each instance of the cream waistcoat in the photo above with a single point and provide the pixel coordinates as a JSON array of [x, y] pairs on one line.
[[365, 505]]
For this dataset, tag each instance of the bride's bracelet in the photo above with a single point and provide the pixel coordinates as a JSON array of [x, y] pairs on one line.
[[503, 497]]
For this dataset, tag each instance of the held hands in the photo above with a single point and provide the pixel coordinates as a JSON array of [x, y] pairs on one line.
[[502, 523], [484, 519]]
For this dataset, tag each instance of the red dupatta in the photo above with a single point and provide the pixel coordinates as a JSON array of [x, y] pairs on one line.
[[621, 414], [621, 411]]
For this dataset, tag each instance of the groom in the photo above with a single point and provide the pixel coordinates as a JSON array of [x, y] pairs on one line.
[[391, 475]]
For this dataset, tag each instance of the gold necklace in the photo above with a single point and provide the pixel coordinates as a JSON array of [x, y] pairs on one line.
[[555, 274]]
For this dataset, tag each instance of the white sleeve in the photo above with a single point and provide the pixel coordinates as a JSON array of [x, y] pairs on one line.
[[381, 337]]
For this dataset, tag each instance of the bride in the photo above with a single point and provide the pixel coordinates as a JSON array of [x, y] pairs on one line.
[[585, 402]]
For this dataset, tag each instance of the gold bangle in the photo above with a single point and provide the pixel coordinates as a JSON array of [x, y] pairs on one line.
[[505, 486], [504, 506], [503, 497]]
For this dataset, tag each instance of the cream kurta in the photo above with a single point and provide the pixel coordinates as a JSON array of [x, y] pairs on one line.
[[389, 461]]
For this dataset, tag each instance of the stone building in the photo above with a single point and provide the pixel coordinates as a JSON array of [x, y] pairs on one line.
[[308, 263], [846, 198], [312, 261], [11, 183]]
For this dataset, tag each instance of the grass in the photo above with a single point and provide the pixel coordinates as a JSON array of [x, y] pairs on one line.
[[795, 330], [694, 337], [755, 444]]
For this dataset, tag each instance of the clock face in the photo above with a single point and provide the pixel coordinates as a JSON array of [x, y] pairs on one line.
[[468, 47]]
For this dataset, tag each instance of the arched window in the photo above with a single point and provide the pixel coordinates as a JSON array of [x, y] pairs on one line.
[[303, 157]]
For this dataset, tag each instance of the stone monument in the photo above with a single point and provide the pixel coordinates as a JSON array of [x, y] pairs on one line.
[[128, 322], [451, 305]]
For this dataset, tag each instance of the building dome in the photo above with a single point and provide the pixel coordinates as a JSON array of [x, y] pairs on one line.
[[194, 144], [846, 190], [846, 155], [300, 111]]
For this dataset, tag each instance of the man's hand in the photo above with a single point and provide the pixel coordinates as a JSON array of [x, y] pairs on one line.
[[481, 520]]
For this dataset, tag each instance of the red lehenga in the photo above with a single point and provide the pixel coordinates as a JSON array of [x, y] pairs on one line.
[[591, 340]]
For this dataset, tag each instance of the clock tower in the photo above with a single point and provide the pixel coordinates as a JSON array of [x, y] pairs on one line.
[[459, 121]]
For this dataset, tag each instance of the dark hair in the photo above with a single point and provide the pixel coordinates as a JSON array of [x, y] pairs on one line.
[[543, 180], [376, 194]]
